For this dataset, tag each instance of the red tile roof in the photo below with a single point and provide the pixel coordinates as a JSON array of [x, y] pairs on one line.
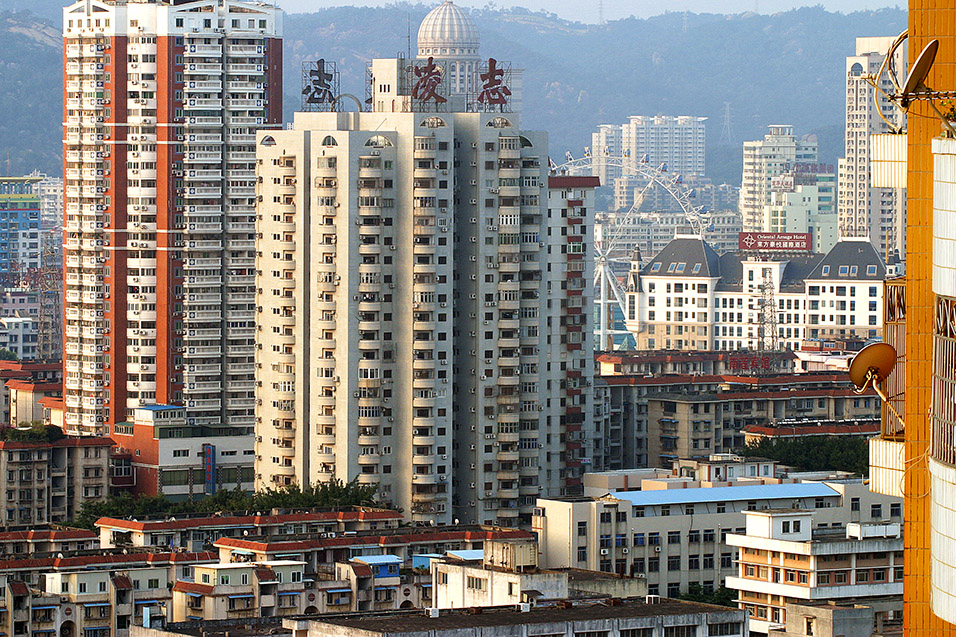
[[48, 535], [574, 181], [397, 539], [65, 563], [247, 520], [20, 384], [19, 588], [265, 575], [862, 429], [122, 583], [192, 587], [361, 570]]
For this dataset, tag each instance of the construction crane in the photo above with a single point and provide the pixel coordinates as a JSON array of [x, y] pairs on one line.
[[609, 247]]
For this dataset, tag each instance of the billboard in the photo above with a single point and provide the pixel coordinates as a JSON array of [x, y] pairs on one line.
[[780, 241], [209, 468]]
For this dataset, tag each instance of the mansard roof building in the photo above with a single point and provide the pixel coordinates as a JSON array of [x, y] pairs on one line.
[[689, 297]]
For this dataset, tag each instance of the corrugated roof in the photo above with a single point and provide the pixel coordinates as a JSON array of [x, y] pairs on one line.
[[468, 554], [378, 559], [726, 494]]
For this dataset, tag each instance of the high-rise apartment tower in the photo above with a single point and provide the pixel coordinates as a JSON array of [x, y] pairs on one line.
[[424, 321], [777, 153], [864, 211], [162, 101]]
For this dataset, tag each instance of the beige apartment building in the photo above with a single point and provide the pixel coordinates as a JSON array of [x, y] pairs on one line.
[[777, 153], [49, 481], [422, 293], [678, 536], [784, 559]]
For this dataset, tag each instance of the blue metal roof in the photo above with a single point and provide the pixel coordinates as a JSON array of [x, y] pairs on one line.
[[160, 407], [726, 494], [377, 559], [468, 554]]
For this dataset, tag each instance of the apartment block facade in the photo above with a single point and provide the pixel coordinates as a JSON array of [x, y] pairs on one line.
[[784, 559], [680, 536], [866, 211], [423, 295], [689, 297], [777, 153], [162, 100]]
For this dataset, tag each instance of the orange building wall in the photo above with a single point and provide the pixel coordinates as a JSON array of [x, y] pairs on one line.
[[928, 19]]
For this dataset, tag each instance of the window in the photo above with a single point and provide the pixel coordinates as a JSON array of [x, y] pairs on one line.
[[724, 629], [896, 509], [152, 583], [673, 537], [680, 631], [582, 529], [673, 563], [876, 510], [855, 504], [476, 583]]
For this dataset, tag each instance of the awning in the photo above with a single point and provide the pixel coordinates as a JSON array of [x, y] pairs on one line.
[[97, 628], [384, 588], [146, 601], [242, 552], [339, 590], [288, 593], [426, 585], [96, 605], [241, 596], [194, 594], [43, 608], [193, 617], [44, 630]]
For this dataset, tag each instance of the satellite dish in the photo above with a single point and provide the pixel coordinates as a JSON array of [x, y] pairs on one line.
[[872, 364], [919, 71]]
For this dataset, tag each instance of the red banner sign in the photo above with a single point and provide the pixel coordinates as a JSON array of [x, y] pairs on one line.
[[784, 241]]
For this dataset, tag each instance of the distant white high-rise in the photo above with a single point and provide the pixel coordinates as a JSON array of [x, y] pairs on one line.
[[864, 211], [777, 153], [605, 143], [677, 141]]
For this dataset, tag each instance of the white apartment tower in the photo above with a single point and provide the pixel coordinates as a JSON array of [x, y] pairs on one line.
[[777, 153], [606, 142], [423, 322], [678, 141], [162, 101], [864, 211]]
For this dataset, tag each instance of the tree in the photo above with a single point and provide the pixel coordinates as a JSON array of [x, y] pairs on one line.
[[7, 355], [334, 493], [721, 596], [814, 453], [37, 432]]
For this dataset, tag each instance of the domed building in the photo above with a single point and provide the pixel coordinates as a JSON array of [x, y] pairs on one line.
[[449, 35]]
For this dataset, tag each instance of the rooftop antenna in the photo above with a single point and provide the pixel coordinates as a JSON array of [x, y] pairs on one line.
[[601, 20], [408, 35]]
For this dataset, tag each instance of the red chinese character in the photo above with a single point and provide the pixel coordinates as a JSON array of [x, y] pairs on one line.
[[429, 77], [493, 91], [765, 362]]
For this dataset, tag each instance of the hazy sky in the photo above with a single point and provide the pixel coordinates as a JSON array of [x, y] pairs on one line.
[[587, 10]]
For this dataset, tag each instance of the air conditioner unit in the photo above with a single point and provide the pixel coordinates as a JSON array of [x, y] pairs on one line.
[[657, 549], [625, 551], [604, 551]]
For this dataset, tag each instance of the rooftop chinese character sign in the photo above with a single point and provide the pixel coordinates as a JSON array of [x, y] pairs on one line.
[[775, 241], [494, 88], [320, 85]]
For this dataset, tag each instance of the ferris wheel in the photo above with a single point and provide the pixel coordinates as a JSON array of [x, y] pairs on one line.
[[608, 246]]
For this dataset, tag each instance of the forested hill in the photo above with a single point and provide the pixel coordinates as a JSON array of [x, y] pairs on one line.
[[781, 68]]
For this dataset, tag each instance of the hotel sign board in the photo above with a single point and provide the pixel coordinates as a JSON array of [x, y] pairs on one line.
[[775, 241]]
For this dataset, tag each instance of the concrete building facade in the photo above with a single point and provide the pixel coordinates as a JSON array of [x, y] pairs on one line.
[[688, 297], [865, 211], [777, 153], [421, 280], [161, 103], [784, 559], [680, 536]]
